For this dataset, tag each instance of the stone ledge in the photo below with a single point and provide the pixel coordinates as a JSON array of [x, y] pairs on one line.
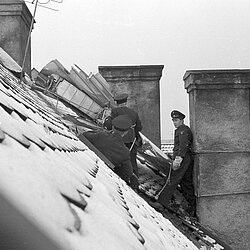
[[16, 8], [217, 79], [131, 73]]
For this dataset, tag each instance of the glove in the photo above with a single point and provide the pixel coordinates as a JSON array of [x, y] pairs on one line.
[[175, 165], [177, 162], [178, 159]]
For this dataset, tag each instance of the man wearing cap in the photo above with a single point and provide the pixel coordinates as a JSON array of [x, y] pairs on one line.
[[111, 145], [182, 168], [132, 138]]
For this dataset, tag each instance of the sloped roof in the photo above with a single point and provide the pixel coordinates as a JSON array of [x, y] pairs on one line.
[[63, 188]]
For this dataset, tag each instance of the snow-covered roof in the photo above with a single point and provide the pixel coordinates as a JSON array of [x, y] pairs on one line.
[[63, 188]]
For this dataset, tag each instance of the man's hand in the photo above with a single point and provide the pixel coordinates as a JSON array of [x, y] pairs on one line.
[[177, 162], [178, 159]]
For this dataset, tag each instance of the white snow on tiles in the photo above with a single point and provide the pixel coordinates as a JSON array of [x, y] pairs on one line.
[[64, 188]]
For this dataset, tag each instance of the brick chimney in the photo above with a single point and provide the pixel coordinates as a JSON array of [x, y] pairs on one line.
[[15, 20], [219, 104]]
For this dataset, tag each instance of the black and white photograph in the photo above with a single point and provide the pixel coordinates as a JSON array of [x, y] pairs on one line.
[[124, 125]]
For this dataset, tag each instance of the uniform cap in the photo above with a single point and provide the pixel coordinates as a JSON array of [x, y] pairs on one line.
[[177, 114], [122, 122], [121, 98]]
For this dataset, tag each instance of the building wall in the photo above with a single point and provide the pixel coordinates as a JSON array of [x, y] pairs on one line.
[[167, 146], [141, 83], [220, 120], [15, 20]]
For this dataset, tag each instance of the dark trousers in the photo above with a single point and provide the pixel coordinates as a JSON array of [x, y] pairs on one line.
[[187, 187], [184, 177], [134, 182], [124, 172]]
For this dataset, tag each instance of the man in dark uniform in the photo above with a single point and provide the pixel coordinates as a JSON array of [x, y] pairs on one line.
[[111, 145], [132, 138], [182, 168]]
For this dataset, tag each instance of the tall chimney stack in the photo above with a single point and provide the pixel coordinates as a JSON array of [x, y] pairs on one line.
[[15, 20], [141, 83]]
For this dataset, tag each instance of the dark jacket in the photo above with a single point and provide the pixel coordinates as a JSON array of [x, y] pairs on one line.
[[111, 145], [129, 137], [183, 140]]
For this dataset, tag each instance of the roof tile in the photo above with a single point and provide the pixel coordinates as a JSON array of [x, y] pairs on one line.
[[65, 189]]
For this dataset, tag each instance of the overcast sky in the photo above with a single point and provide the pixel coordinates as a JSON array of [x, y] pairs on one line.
[[179, 34]]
